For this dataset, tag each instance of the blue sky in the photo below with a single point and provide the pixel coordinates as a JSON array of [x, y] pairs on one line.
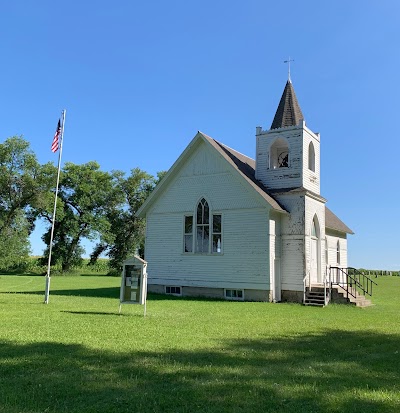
[[139, 79]]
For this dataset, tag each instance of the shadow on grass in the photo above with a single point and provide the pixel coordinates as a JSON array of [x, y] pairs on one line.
[[91, 313], [18, 273], [104, 292], [337, 371], [112, 292]]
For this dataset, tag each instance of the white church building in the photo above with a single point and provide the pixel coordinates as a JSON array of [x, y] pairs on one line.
[[221, 224]]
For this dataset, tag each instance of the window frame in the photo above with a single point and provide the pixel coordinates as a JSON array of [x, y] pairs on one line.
[[202, 226], [234, 298], [210, 225], [173, 293], [278, 146], [187, 234], [311, 157], [216, 233]]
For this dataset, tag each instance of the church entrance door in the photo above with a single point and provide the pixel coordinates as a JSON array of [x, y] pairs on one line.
[[314, 260]]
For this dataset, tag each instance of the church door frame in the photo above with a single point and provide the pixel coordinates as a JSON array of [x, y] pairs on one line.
[[315, 251]]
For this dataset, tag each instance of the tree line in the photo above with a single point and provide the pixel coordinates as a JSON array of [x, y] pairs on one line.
[[92, 204]]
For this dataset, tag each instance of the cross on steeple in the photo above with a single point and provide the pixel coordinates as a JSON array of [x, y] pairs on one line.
[[288, 62]]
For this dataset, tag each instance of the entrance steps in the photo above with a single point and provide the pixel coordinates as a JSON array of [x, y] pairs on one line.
[[315, 296], [339, 295]]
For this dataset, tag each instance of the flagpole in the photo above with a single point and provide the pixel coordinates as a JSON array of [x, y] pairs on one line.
[[47, 290]]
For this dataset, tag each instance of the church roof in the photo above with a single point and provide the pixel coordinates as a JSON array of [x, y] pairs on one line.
[[245, 167], [333, 222], [288, 112]]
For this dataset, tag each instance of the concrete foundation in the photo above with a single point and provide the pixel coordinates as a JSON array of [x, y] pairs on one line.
[[292, 296], [249, 295]]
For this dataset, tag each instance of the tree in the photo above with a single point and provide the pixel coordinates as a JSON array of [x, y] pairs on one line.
[[126, 233], [14, 243], [86, 197], [24, 184]]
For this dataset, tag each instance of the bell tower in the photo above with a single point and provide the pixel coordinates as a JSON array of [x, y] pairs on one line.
[[288, 154]]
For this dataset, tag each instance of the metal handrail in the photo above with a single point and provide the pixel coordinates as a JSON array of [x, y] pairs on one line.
[[363, 282], [351, 277]]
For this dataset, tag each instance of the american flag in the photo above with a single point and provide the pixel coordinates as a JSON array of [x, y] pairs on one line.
[[55, 145]]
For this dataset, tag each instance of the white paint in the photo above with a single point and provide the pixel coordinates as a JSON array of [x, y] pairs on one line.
[[297, 174], [314, 261], [261, 249]]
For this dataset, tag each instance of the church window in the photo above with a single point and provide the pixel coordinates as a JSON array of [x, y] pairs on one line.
[[313, 229], [279, 154], [338, 253], [217, 233], [311, 157], [202, 226], [188, 237], [203, 232]]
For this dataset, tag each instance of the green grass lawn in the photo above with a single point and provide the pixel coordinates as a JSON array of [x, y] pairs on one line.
[[77, 354]]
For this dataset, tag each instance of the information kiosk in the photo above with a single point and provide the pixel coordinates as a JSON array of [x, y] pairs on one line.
[[134, 282]]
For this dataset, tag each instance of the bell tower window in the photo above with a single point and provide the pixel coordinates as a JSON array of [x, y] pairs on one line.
[[279, 154], [311, 157]]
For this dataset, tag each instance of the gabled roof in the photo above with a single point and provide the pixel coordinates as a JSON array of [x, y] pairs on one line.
[[333, 222], [288, 112], [246, 167], [243, 165]]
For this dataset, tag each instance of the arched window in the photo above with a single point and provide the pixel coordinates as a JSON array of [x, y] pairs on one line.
[[311, 157], [314, 229], [279, 154], [205, 235], [338, 252], [202, 226]]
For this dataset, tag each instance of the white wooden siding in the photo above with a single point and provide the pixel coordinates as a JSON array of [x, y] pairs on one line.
[[203, 161], [314, 208], [297, 174], [332, 238], [272, 254], [295, 230], [311, 180], [292, 262], [279, 177], [243, 264], [291, 231], [221, 188]]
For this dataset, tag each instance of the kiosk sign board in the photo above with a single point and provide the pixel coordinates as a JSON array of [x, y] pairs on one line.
[[134, 282]]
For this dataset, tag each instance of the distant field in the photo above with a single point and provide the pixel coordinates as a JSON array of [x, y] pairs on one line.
[[78, 355], [33, 265]]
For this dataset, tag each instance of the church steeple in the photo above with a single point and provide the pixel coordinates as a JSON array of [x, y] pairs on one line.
[[288, 112], [288, 154]]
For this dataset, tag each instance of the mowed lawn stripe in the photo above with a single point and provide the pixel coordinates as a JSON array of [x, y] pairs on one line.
[[77, 354]]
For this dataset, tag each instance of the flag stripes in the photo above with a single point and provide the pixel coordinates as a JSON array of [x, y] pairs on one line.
[[56, 139]]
